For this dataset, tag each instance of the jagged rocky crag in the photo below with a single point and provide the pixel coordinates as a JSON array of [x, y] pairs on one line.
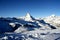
[[30, 28]]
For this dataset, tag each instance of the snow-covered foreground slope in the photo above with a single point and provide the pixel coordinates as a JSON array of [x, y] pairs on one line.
[[32, 35], [30, 28]]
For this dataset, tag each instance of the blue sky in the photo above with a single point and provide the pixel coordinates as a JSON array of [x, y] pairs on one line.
[[37, 8]]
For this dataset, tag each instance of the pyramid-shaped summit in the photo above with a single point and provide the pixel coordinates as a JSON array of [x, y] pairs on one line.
[[28, 17]]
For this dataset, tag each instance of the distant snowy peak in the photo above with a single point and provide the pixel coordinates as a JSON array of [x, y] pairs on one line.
[[53, 15], [28, 17]]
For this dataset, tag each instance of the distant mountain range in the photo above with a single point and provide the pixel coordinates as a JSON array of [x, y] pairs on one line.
[[30, 28], [28, 22]]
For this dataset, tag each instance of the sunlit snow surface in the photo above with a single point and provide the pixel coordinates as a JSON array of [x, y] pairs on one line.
[[29, 28]]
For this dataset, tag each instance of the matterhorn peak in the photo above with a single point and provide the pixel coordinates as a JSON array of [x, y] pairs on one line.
[[28, 17]]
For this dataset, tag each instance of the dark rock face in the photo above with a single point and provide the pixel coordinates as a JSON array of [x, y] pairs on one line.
[[4, 26]]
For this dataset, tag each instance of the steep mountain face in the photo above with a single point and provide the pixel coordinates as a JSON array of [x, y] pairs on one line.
[[28, 17]]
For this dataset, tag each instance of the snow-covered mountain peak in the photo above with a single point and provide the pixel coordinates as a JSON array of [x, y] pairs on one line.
[[53, 15], [28, 17]]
